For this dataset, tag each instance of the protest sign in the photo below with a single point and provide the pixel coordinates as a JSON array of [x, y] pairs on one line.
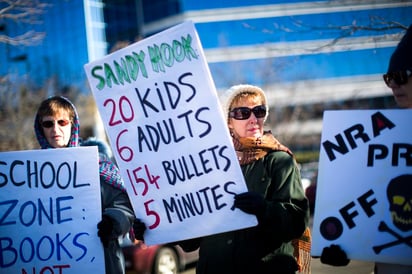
[[49, 210], [364, 195], [162, 115]]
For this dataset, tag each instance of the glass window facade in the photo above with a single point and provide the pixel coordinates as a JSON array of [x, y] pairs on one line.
[[121, 19], [278, 42], [159, 9], [316, 54]]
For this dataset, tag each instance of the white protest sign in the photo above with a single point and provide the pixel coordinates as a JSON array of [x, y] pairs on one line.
[[49, 210], [166, 127], [364, 190]]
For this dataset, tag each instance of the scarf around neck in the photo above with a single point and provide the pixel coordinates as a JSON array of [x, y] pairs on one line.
[[249, 149]]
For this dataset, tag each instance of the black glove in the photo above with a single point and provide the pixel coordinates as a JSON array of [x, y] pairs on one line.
[[105, 228], [138, 229], [334, 255], [251, 202]]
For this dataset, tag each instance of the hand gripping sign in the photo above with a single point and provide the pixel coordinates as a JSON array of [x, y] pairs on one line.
[[161, 112], [364, 193]]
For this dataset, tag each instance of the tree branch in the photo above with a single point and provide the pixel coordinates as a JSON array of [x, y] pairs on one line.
[[21, 12]]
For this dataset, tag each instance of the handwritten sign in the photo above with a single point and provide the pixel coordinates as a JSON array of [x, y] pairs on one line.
[[49, 210], [170, 140], [364, 193]]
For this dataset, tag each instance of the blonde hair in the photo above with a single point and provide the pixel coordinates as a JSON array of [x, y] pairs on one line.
[[246, 96], [237, 93]]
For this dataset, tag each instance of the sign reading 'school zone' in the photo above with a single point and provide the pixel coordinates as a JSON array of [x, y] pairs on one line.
[[49, 210], [364, 193], [162, 114]]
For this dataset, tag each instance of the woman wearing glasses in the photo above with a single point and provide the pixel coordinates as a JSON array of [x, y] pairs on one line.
[[275, 196], [399, 79], [57, 126]]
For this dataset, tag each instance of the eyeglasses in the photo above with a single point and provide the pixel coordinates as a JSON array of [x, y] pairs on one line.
[[399, 77], [50, 123], [243, 113]]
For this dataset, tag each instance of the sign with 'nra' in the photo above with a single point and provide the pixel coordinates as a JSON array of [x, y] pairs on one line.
[[364, 194]]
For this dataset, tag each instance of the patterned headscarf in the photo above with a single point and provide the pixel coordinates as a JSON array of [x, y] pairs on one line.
[[111, 175], [109, 172]]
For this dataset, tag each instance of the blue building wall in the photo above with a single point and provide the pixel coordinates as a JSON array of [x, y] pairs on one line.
[[262, 42], [320, 59], [72, 36], [280, 42], [289, 47]]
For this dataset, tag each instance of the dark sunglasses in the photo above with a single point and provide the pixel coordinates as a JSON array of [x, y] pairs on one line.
[[243, 113], [50, 123], [399, 77]]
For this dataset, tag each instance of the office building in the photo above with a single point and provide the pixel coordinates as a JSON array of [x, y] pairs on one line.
[[308, 55]]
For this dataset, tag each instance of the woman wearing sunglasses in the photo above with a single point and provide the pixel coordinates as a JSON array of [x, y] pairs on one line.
[[275, 196], [399, 79], [57, 126]]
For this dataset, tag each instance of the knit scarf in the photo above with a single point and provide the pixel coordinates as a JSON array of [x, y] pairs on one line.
[[249, 149], [111, 175]]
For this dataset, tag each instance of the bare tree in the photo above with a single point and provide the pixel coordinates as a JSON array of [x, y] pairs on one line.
[[18, 102], [17, 110], [21, 12], [376, 24], [339, 35]]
